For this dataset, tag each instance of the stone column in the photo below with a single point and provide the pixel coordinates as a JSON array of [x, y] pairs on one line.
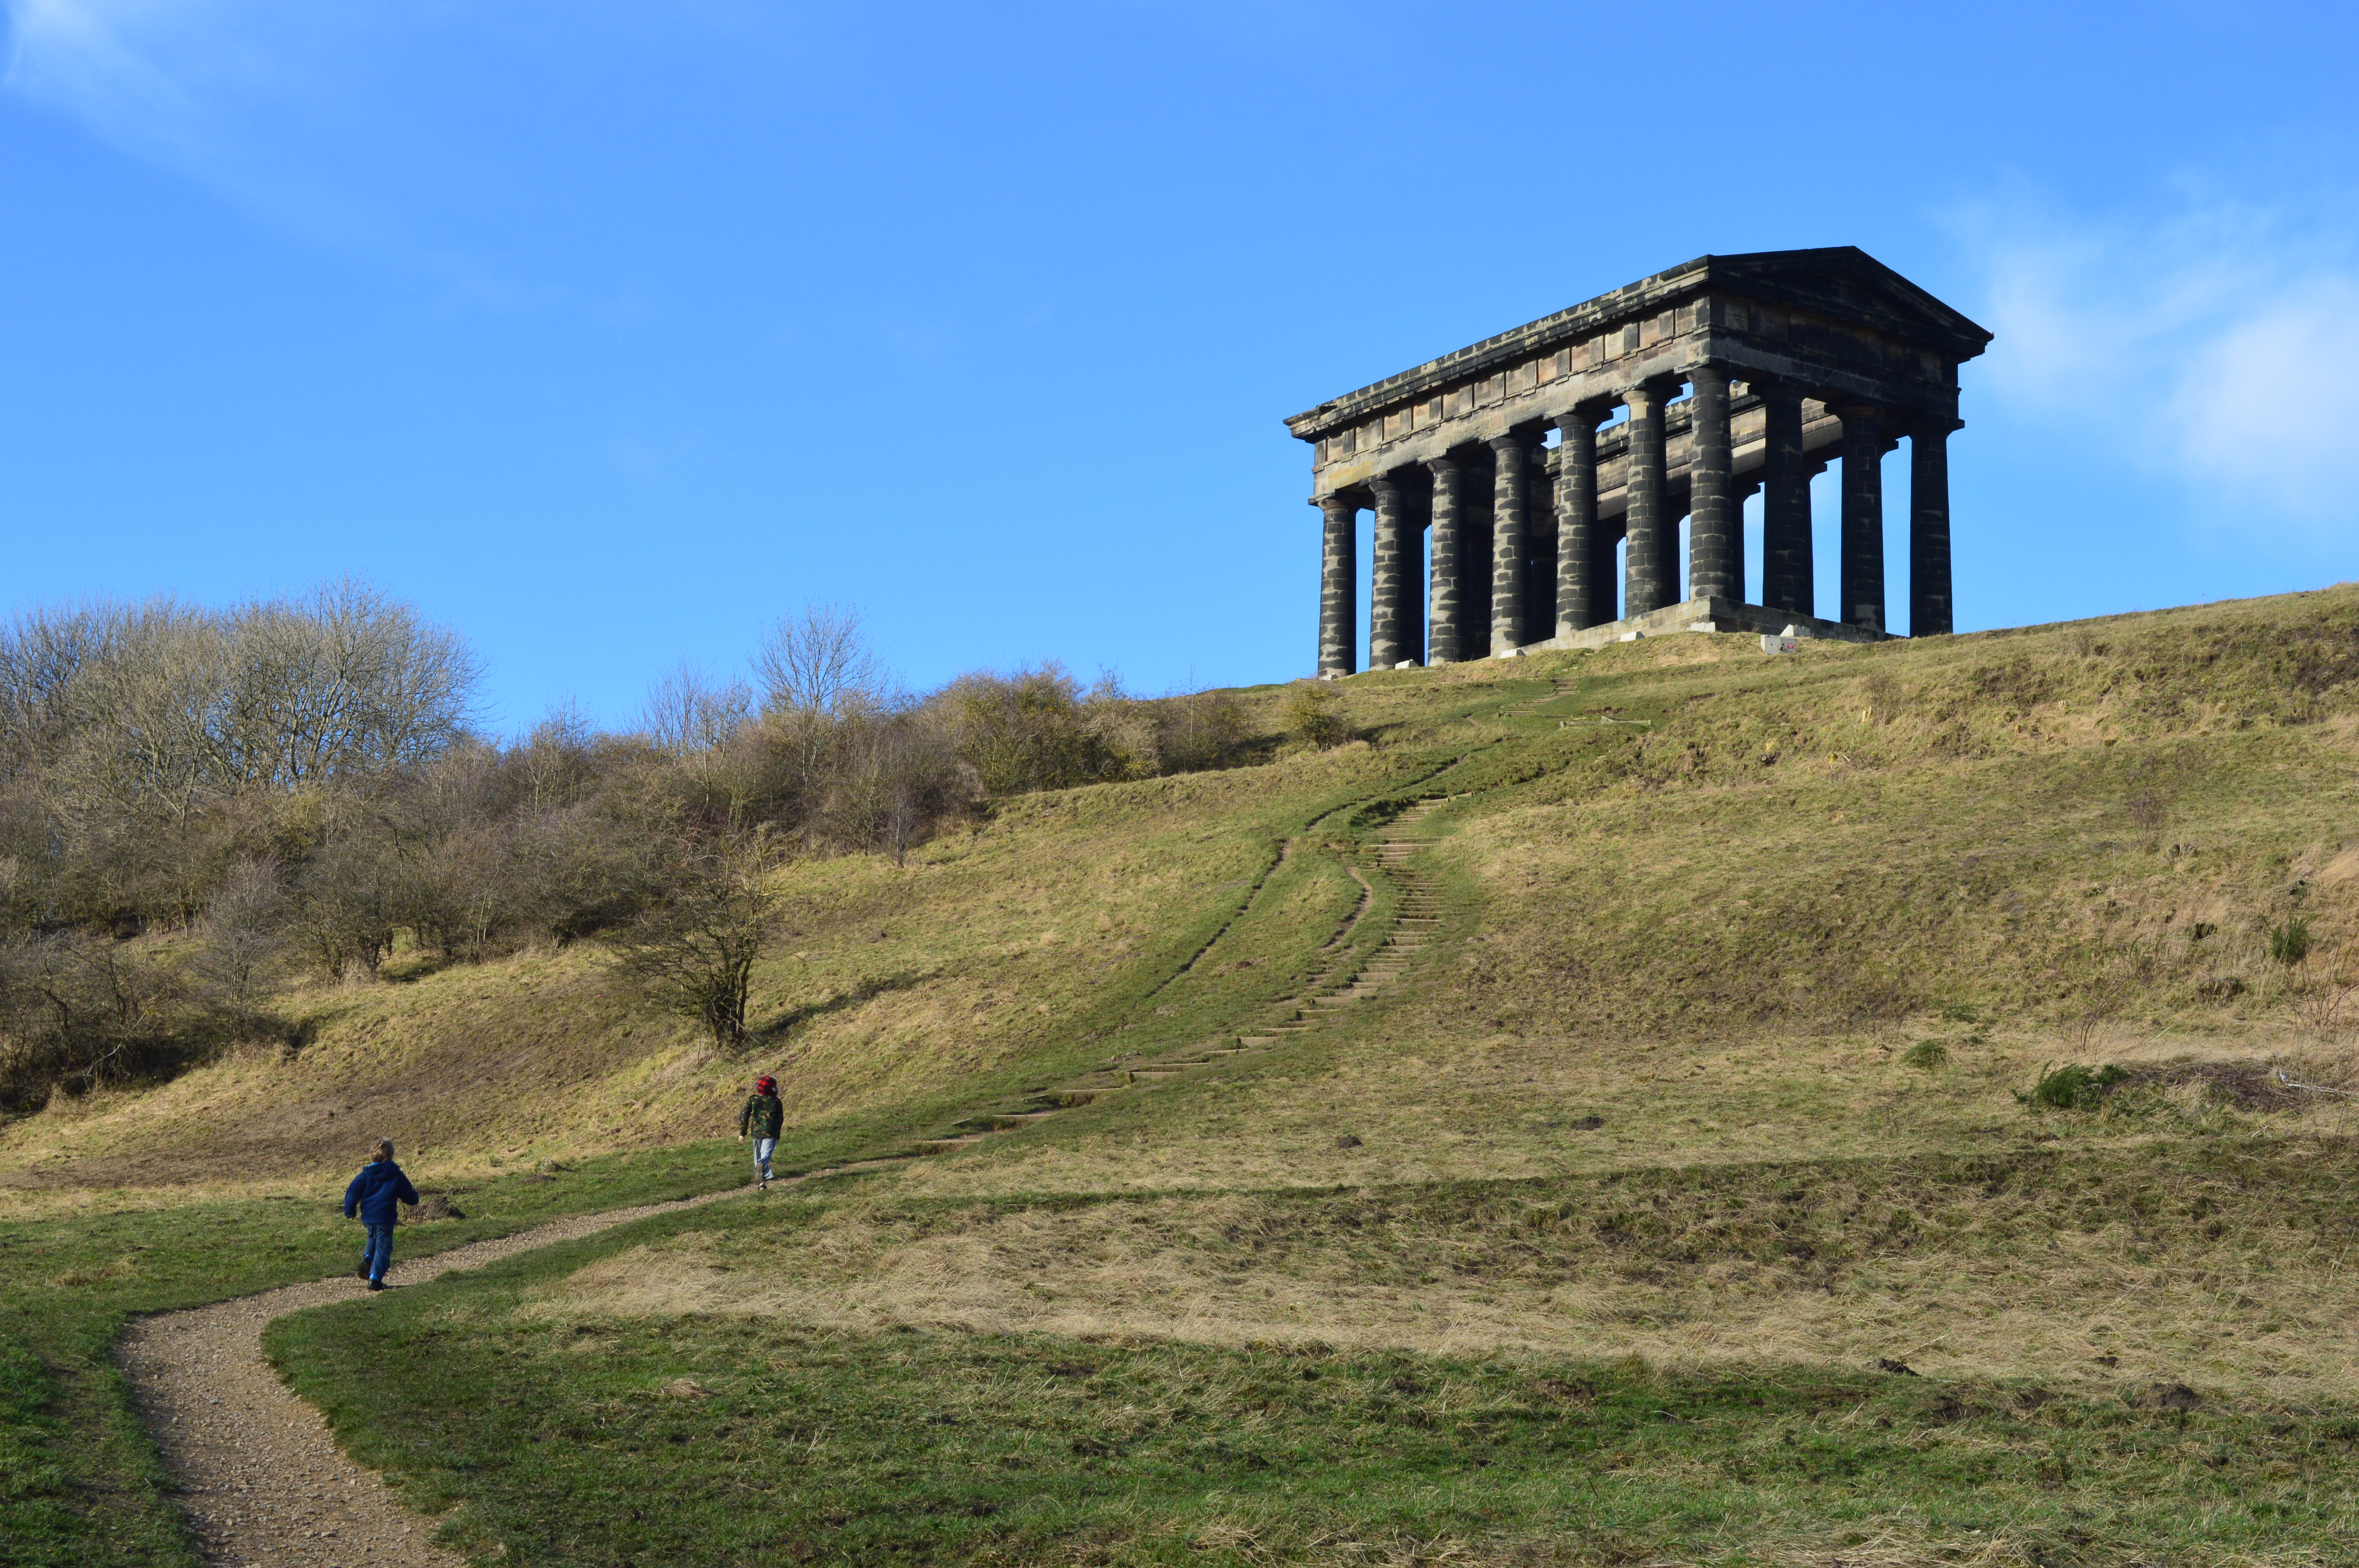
[[1577, 534], [1789, 576], [1386, 641], [1929, 531], [1653, 559], [1447, 560], [1417, 511], [1511, 478], [1862, 518], [1338, 586], [1715, 532]]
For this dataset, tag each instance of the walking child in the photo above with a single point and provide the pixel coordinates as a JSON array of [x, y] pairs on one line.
[[373, 1196], [764, 1115]]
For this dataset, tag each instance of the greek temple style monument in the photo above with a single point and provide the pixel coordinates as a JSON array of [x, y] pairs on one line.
[[1790, 360]]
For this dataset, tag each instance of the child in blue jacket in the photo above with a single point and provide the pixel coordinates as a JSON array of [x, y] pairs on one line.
[[372, 1195]]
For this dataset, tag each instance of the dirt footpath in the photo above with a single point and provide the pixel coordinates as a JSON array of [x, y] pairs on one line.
[[262, 1481]]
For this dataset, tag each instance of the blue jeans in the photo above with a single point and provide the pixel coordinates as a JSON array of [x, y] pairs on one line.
[[376, 1253]]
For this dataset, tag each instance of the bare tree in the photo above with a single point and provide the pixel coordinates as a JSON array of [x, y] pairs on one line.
[[818, 663], [245, 936], [345, 680], [78, 1010], [694, 953], [155, 709], [688, 715]]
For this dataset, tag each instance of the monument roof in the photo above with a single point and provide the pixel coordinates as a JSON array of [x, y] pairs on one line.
[[1841, 281]]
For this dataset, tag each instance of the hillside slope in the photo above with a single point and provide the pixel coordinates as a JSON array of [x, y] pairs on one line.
[[2054, 832], [1587, 1117]]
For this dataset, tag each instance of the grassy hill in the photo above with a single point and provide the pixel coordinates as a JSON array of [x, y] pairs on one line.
[[1638, 1068]]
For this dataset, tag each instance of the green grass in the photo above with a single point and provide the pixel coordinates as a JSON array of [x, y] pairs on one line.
[[1720, 1060], [554, 1437], [78, 1474]]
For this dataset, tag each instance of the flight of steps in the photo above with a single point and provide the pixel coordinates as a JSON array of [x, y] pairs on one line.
[[1529, 707], [1351, 974]]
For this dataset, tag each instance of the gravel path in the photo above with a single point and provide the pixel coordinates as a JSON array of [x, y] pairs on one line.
[[265, 1484], [260, 1478]]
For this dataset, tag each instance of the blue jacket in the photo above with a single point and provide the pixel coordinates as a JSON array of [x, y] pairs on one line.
[[376, 1190]]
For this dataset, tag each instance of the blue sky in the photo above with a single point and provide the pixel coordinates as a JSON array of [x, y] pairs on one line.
[[609, 333]]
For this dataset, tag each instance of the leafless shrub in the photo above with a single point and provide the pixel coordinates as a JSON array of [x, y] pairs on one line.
[[1310, 717], [819, 662], [1033, 729], [2327, 999], [157, 709], [694, 953], [1199, 730], [245, 942], [896, 774], [690, 716], [78, 1011], [345, 914]]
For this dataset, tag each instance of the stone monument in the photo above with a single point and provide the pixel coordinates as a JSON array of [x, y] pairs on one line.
[[1788, 360]]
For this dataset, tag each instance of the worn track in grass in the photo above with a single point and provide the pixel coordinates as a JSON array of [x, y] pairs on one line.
[[260, 1476]]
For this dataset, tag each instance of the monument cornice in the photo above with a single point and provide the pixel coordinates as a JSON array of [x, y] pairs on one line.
[[1839, 285]]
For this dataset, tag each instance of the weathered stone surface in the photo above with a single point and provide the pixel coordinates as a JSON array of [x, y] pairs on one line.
[[1929, 531], [1511, 471], [1863, 517], [1652, 562], [1577, 530], [1338, 586], [1779, 347], [1788, 580], [1387, 642], [1706, 615], [1448, 565], [1715, 541]]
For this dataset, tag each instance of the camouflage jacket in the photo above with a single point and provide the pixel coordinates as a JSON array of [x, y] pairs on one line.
[[763, 1116]]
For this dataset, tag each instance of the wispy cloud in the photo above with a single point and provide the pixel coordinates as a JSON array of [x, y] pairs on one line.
[[307, 115], [162, 80], [2212, 344]]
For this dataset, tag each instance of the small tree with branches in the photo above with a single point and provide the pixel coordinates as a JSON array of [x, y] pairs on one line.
[[693, 954]]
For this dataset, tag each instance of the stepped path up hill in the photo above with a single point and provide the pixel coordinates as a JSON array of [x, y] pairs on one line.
[[1601, 1102], [1683, 837], [262, 1481]]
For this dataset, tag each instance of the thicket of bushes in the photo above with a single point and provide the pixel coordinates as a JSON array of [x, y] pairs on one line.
[[284, 786]]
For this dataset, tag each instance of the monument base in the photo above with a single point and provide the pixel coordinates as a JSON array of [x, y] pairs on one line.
[[1701, 615]]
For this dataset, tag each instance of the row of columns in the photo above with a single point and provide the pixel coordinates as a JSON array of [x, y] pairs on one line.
[[1585, 584]]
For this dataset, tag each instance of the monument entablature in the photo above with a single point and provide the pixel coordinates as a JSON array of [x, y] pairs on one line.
[[1795, 359]]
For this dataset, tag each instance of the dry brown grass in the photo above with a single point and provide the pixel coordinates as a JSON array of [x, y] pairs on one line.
[[895, 985], [1503, 1107], [1987, 1284]]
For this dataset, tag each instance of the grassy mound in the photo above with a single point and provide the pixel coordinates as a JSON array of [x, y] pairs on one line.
[[1715, 1085]]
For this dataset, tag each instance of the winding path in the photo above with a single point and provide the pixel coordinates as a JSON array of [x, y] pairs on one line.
[[260, 1477]]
